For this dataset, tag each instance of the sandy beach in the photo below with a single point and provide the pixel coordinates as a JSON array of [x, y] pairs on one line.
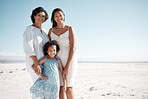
[[93, 81]]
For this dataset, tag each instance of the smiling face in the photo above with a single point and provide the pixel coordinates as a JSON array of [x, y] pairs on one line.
[[59, 17], [52, 51], [40, 17]]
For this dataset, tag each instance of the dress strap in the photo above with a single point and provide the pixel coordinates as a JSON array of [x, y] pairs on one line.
[[46, 56], [58, 58], [52, 30], [68, 28]]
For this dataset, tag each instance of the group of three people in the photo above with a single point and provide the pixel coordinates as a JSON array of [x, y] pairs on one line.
[[56, 51]]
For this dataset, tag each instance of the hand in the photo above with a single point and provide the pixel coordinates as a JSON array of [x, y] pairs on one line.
[[63, 88], [63, 75], [44, 77], [36, 69], [65, 72]]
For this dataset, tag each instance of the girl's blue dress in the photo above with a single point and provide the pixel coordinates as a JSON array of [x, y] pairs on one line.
[[50, 87]]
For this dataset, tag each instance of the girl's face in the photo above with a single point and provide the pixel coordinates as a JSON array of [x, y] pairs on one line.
[[52, 51], [59, 17], [40, 17]]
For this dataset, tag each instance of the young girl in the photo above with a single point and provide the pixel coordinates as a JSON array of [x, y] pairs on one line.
[[47, 86]]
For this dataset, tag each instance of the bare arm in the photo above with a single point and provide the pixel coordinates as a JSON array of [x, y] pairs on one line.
[[40, 74], [42, 61], [49, 33], [28, 39], [72, 40], [60, 66], [36, 66]]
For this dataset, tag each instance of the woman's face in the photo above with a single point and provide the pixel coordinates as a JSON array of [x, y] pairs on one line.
[[59, 17], [52, 51], [40, 17]]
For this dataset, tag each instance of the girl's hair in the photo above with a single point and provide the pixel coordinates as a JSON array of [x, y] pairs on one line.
[[54, 23], [48, 44], [36, 11]]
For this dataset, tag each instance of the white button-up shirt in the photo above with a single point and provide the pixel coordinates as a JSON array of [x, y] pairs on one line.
[[33, 42]]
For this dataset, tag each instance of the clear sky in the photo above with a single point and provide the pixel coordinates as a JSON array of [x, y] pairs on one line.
[[104, 28]]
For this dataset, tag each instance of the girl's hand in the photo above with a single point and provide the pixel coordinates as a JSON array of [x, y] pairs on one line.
[[44, 77], [63, 75], [64, 88]]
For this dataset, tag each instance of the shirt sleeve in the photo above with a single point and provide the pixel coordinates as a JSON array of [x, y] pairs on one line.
[[28, 42]]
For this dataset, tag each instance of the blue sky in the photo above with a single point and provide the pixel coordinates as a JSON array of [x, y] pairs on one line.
[[104, 28]]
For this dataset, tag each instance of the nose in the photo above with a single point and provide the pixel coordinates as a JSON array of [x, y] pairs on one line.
[[59, 17], [52, 51]]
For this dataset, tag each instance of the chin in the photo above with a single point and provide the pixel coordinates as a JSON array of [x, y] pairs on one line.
[[60, 22], [51, 56]]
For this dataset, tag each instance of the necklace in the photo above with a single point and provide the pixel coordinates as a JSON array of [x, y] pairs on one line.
[[38, 27]]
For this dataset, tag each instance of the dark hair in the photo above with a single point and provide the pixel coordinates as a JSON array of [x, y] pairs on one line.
[[48, 44], [54, 23], [36, 11]]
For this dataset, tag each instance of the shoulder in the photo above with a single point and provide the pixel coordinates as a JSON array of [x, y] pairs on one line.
[[50, 30], [44, 31], [58, 58], [28, 30], [71, 30], [43, 59], [59, 61], [69, 27], [29, 27]]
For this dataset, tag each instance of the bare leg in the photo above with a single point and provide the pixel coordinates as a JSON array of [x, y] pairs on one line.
[[62, 93], [69, 93]]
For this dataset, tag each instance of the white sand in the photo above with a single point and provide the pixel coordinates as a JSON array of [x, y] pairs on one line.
[[93, 81]]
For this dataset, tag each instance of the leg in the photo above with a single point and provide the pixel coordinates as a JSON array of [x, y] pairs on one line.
[[69, 93], [62, 93]]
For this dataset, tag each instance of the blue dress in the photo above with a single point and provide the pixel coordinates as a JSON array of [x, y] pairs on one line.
[[50, 87]]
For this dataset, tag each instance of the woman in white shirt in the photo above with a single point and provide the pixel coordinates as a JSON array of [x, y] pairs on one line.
[[34, 38]]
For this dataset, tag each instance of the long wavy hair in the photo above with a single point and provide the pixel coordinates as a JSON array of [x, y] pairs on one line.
[[48, 44], [54, 23]]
